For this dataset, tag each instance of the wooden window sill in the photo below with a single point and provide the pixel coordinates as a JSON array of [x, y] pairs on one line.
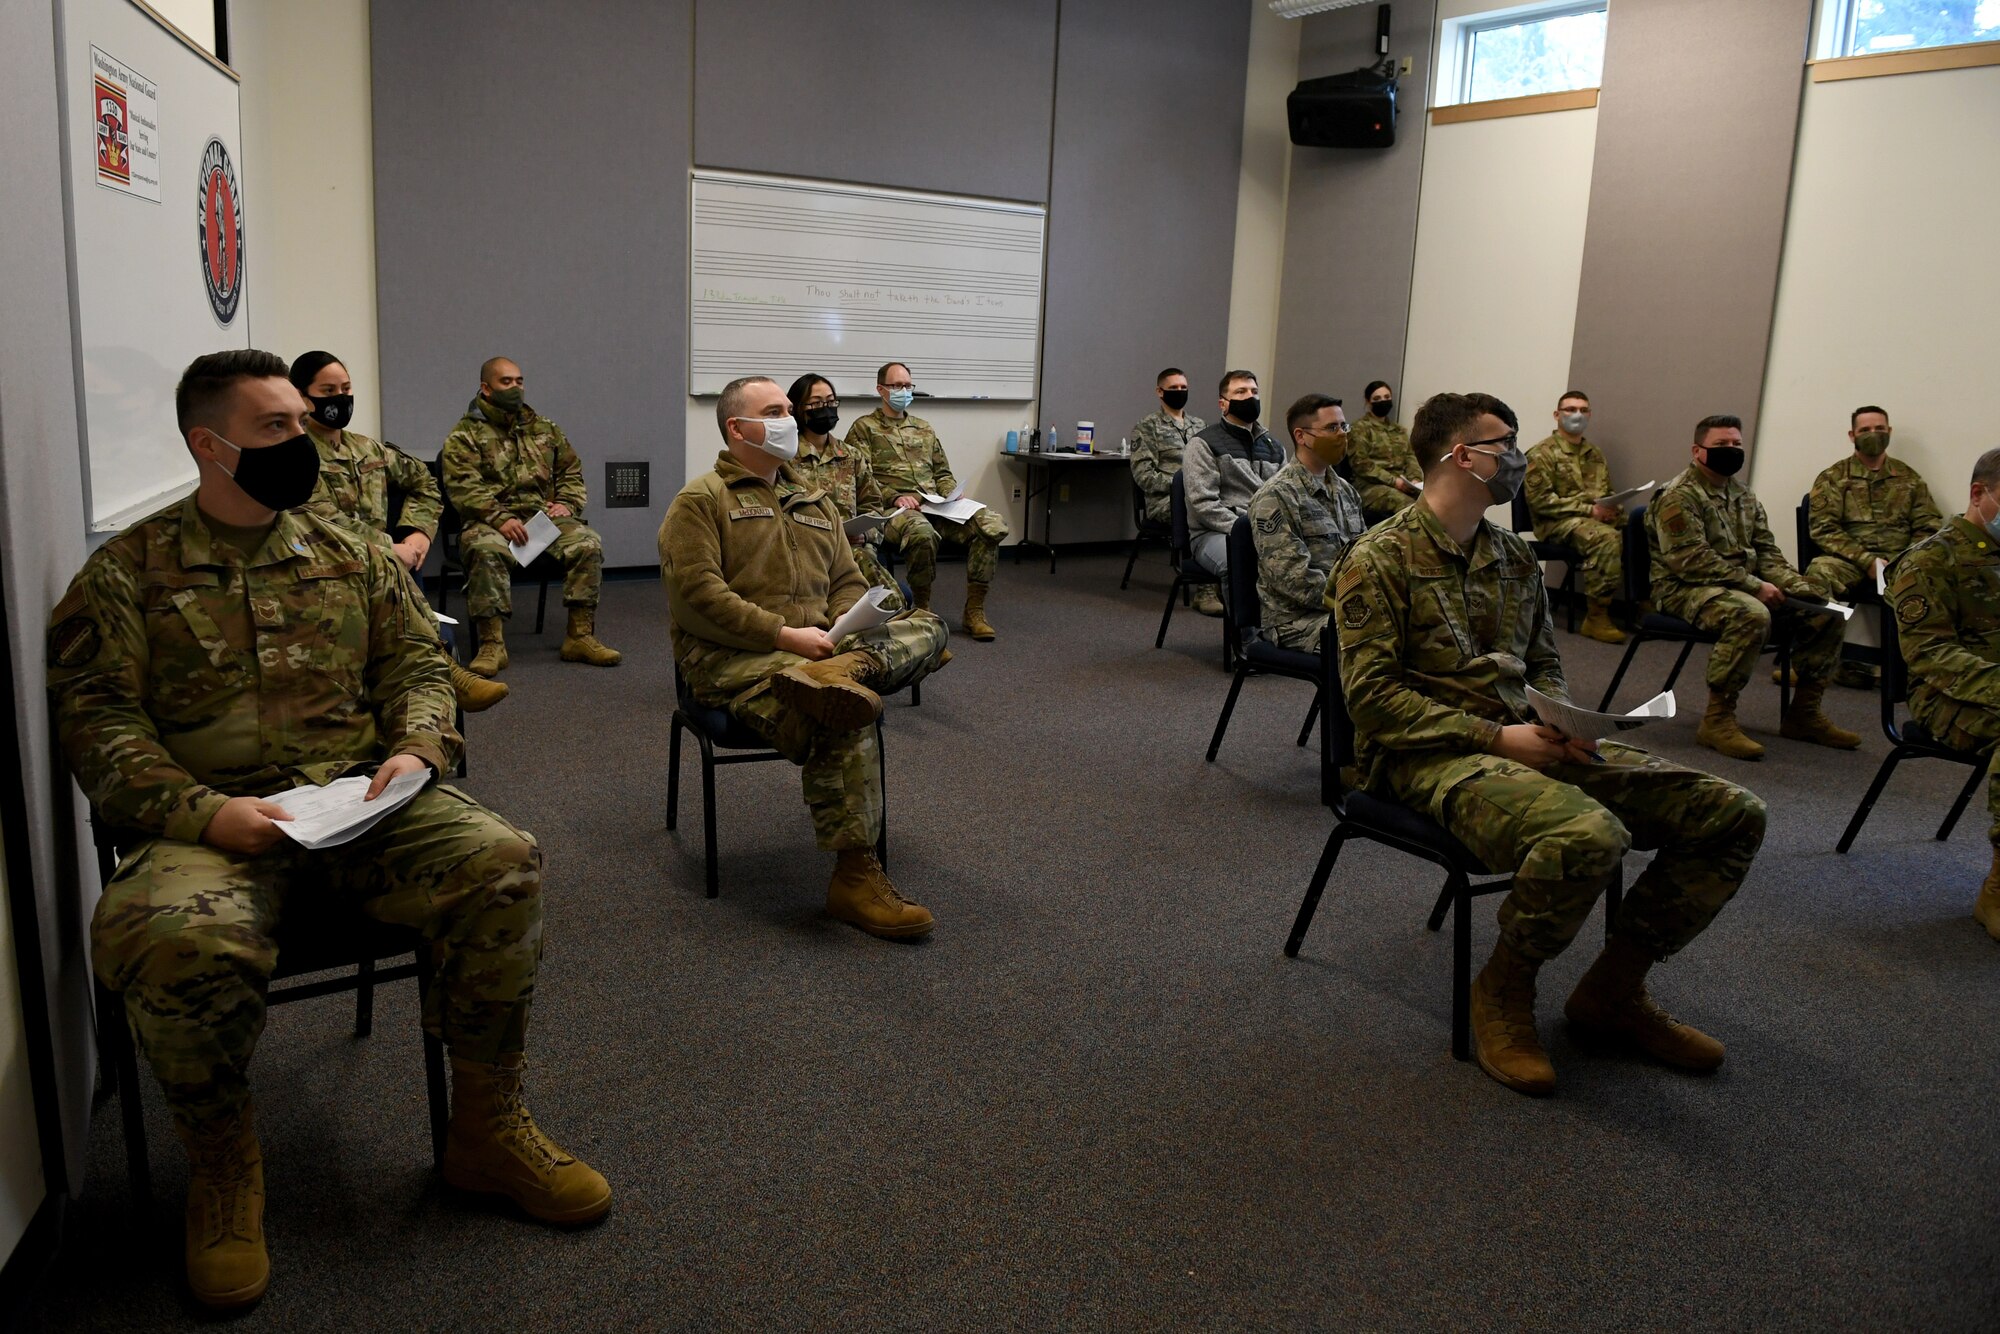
[[1921, 60], [1574, 100]]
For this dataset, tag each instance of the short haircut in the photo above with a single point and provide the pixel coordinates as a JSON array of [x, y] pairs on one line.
[[1986, 472], [1373, 385], [207, 385], [486, 367], [1719, 421], [1306, 409], [1231, 377], [882, 371], [308, 365], [1568, 394], [1161, 378], [802, 389], [1855, 415], [731, 402], [1444, 420]]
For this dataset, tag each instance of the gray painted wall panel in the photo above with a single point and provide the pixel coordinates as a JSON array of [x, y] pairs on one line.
[[531, 201], [1142, 218], [945, 95], [1351, 221], [1687, 218]]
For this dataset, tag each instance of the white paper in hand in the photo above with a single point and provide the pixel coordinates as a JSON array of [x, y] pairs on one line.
[[326, 817], [958, 509], [863, 524], [1881, 584], [865, 614], [1620, 497], [542, 530], [1589, 725]]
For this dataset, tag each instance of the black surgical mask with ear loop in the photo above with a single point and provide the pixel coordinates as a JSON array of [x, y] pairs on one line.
[[1174, 398], [278, 477], [1724, 460], [333, 411], [1382, 407], [1246, 409], [821, 421]]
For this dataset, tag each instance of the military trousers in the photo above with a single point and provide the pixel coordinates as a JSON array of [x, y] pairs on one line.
[[1745, 624], [841, 776], [1379, 500], [187, 934], [876, 574], [489, 567], [1969, 727], [916, 535], [1603, 548], [1562, 831], [1836, 574]]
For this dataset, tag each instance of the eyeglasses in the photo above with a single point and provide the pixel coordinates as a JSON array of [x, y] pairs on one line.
[[812, 403], [907, 384], [1506, 442]]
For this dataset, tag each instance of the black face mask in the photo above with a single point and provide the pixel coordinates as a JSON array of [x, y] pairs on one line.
[[1383, 408], [280, 476], [1245, 409], [820, 421], [334, 411], [1725, 460], [1174, 398]]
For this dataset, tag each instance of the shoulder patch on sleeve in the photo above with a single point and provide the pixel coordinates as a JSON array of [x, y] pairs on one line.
[[74, 641], [1268, 523], [1355, 611], [1349, 577], [1913, 609]]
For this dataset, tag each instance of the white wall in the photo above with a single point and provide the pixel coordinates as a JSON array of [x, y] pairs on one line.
[[1889, 283], [1261, 191], [22, 1185], [1499, 253], [309, 185]]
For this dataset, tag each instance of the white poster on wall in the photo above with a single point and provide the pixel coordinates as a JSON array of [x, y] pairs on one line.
[[125, 112]]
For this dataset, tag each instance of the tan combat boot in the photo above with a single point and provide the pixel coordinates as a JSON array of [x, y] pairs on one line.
[[1720, 733], [491, 659], [1806, 721], [1986, 908], [1208, 600], [833, 692], [474, 694], [1611, 1004], [976, 623], [581, 644], [860, 895], [920, 596], [1503, 1023], [1778, 676], [494, 1147], [1597, 623], [227, 1265]]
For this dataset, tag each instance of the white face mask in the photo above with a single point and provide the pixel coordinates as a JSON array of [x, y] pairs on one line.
[[781, 436], [1575, 422]]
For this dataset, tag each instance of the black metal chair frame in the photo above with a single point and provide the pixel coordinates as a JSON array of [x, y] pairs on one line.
[[1657, 625], [1189, 574], [1571, 558], [1359, 814], [1857, 593], [1254, 656], [742, 747], [377, 942], [542, 571], [1144, 530], [1909, 740]]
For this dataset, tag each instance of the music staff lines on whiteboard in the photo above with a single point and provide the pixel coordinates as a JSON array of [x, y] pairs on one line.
[[973, 233], [730, 315], [735, 264], [879, 229]]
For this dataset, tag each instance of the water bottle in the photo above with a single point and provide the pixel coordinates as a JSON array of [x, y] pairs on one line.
[[1013, 442], [1034, 439], [1052, 445]]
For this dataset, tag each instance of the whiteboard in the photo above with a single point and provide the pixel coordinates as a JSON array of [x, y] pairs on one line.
[[791, 277], [153, 174]]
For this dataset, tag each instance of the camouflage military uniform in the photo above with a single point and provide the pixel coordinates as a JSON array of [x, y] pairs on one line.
[[1157, 444], [185, 675], [1378, 452], [1438, 643], [1563, 481], [848, 479], [1302, 524], [356, 474], [742, 560], [1859, 515], [907, 458], [1946, 592], [500, 465], [1712, 549]]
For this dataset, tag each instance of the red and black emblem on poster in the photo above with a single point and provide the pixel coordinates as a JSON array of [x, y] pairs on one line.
[[221, 203], [114, 140]]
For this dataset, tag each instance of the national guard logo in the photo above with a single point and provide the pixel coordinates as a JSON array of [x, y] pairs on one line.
[[1913, 609], [114, 139], [221, 203]]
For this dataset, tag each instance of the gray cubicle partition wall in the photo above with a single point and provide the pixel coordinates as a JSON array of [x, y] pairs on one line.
[[1351, 222], [1688, 192]]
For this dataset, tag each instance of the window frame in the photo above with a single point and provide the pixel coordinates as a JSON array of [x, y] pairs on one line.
[[1457, 39], [1837, 21]]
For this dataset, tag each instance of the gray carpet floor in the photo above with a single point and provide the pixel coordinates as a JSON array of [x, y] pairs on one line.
[[1100, 1095]]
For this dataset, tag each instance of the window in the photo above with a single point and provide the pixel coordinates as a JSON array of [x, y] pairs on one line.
[[1869, 27], [1521, 51]]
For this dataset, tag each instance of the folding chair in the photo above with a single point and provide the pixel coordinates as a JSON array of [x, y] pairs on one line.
[[1189, 574], [1144, 530], [1910, 740], [1253, 653], [1359, 814], [1571, 558], [310, 940], [716, 730], [542, 571], [1657, 625]]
